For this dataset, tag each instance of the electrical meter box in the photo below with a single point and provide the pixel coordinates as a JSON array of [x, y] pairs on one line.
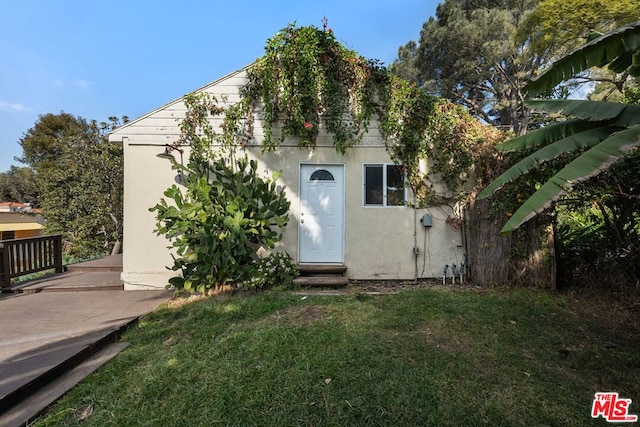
[[427, 220]]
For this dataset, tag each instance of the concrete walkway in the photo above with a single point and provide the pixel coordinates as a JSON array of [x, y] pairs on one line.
[[46, 334]]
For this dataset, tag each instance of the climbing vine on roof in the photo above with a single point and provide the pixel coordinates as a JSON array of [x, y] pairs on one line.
[[307, 81], [306, 76]]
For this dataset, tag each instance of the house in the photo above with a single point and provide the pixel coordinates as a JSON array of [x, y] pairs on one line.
[[19, 220], [345, 209]]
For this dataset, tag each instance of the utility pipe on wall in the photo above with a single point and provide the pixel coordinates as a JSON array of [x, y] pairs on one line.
[[415, 237]]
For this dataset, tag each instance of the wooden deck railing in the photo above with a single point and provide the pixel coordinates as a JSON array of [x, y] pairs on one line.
[[19, 257]]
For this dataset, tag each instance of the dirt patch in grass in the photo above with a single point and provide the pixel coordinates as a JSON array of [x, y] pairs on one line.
[[393, 286], [434, 339], [615, 313], [298, 315], [181, 301], [185, 298], [440, 337]]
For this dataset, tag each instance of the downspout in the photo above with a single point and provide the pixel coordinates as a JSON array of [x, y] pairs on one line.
[[422, 173], [415, 237], [464, 270]]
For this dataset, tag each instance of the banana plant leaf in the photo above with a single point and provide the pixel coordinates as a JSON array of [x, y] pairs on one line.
[[589, 164], [578, 141], [548, 134], [611, 48], [624, 114]]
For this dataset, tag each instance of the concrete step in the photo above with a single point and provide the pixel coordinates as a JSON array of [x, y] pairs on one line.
[[322, 269], [322, 281], [322, 275]]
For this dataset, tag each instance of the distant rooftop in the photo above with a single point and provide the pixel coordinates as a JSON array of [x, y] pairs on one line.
[[15, 207]]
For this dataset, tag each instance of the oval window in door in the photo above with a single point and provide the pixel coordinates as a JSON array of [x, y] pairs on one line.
[[322, 175]]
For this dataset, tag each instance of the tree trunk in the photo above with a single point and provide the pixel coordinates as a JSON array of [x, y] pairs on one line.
[[524, 257], [117, 246]]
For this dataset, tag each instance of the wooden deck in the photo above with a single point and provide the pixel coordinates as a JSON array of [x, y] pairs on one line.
[[96, 275], [109, 263]]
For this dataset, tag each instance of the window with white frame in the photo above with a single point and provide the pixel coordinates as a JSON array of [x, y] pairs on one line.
[[384, 185]]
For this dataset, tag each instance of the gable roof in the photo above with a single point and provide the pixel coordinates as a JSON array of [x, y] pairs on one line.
[[116, 135]]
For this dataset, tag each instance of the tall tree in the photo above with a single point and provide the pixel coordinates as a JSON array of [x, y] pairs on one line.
[[480, 53], [43, 144], [469, 53], [80, 178], [18, 184], [557, 27]]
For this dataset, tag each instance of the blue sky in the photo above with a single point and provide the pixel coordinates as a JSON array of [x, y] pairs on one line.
[[99, 59]]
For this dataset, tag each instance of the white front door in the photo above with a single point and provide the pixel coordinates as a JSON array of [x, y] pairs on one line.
[[321, 221]]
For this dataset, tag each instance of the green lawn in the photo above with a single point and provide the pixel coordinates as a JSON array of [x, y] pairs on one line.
[[421, 357]]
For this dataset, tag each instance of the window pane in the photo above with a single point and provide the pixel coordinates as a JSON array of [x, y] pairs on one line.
[[395, 186], [373, 185], [322, 175]]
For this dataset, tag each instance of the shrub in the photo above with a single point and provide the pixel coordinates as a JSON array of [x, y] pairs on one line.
[[217, 223], [277, 269]]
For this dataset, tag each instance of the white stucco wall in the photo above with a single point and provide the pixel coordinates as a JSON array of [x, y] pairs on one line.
[[379, 241]]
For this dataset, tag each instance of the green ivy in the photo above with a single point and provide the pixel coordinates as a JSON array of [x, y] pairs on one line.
[[307, 80]]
